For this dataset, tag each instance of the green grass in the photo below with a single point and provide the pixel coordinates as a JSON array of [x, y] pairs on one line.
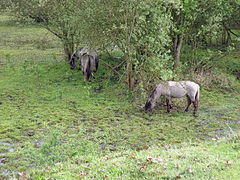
[[62, 127], [215, 160], [28, 37]]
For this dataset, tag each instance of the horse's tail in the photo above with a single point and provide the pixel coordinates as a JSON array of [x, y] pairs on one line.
[[97, 62], [197, 96], [88, 69]]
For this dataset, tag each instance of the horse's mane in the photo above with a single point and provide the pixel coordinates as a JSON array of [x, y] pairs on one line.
[[153, 92]]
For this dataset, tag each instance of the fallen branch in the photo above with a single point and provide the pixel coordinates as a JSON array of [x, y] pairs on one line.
[[109, 66], [233, 33]]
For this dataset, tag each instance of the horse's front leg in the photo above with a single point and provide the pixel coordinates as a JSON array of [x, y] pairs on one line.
[[168, 105]]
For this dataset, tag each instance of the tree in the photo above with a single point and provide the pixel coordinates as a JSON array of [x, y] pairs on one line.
[[196, 21], [139, 28], [60, 17], [231, 20]]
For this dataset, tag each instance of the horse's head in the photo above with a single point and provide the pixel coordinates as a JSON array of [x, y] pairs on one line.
[[72, 61], [148, 106]]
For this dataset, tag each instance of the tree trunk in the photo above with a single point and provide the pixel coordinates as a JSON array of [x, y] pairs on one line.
[[130, 78], [68, 50], [68, 53], [177, 49], [226, 35]]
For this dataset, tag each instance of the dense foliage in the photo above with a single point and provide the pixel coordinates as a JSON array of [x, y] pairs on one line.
[[62, 18], [140, 29], [149, 33]]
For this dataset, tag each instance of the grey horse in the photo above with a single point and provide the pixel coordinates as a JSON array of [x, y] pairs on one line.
[[176, 90], [88, 60]]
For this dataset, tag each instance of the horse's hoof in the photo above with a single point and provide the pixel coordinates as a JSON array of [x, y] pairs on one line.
[[147, 110], [195, 115], [186, 110]]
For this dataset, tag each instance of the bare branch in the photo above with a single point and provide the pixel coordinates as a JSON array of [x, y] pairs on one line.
[[46, 27]]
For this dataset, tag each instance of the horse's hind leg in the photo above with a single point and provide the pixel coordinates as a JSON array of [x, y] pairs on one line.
[[195, 104], [86, 78], [168, 105], [189, 103]]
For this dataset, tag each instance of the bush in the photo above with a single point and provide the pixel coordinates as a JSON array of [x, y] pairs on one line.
[[209, 68]]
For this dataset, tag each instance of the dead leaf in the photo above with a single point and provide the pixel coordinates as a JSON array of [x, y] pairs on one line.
[[147, 147], [82, 175], [143, 167], [58, 164], [190, 170], [47, 170], [228, 163], [178, 176], [22, 176]]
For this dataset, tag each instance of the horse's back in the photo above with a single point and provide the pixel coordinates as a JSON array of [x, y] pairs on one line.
[[191, 85], [192, 89], [92, 53], [178, 89], [173, 89], [81, 52]]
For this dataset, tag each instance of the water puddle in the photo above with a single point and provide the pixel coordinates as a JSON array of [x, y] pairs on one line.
[[5, 144], [5, 173], [3, 159], [10, 150], [38, 143]]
